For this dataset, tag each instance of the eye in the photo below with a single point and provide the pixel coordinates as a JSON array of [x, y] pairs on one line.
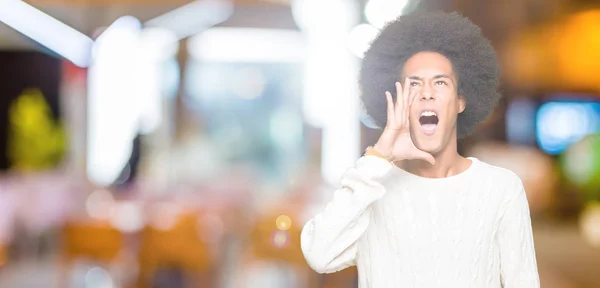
[[441, 82], [414, 83]]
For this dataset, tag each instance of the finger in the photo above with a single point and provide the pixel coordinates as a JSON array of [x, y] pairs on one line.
[[399, 98], [390, 107], [427, 157], [411, 100], [413, 96], [406, 96]]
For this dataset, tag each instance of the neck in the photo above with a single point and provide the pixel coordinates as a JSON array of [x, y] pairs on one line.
[[447, 163]]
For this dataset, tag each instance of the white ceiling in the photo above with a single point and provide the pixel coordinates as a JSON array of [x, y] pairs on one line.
[[88, 18], [85, 18]]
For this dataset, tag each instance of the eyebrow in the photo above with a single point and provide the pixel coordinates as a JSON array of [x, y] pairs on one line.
[[434, 77]]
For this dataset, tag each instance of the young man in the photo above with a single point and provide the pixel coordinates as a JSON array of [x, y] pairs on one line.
[[413, 212]]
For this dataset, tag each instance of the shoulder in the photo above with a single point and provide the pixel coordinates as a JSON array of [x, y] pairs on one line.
[[500, 179], [497, 174]]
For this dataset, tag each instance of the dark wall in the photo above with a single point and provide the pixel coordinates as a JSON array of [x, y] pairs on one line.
[[20, 70]]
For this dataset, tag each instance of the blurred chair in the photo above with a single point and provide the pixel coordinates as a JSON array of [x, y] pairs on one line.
[[96, 241], [3, 257], [347, 278], [177, 246], [268, 243]]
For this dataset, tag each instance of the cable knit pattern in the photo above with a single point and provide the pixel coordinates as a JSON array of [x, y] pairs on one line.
[[402, 230]]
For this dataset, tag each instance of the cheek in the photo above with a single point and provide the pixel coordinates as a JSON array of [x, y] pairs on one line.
[[452, 109], [413, 113], [452, 103], [452, 113]]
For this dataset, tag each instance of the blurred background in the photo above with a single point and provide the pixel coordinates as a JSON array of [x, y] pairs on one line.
[[177, 143]]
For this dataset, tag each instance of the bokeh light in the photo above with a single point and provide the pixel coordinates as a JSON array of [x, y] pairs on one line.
[[379, 12], [589, 224], [99, 204], [360, 38], [280, 239], [127, 216], [283, 222], [98, 278], [559, 124], [164, 216], [581, 164]]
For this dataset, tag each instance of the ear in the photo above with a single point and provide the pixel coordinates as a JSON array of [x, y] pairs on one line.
[[462, 104]]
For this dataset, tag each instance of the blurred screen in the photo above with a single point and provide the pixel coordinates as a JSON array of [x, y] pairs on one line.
[[253, 111], [520, 122], [561, 122]]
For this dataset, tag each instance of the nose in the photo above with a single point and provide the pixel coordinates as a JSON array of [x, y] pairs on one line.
[[427, 96], [427, 93]]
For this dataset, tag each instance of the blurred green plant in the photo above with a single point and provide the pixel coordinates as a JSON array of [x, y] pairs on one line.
[[36, 141], [581, 166]]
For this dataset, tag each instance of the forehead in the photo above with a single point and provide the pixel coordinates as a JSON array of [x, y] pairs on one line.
[[427, 64]]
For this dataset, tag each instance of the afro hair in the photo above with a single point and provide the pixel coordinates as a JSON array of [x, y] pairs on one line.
[[473, 59]]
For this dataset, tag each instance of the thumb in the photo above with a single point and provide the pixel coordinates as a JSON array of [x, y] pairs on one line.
[[426, 156]]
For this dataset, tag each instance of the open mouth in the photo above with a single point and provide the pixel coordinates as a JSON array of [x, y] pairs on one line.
[[428, 121]]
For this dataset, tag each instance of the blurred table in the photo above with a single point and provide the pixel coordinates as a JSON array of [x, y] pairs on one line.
[[564, 259]]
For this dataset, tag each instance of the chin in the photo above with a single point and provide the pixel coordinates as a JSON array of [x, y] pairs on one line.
[[432, 144]]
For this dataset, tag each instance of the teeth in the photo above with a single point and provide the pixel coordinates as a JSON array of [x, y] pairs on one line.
[[428, 113]]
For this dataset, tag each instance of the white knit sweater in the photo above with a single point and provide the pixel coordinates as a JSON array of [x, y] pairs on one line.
[[401, 230]]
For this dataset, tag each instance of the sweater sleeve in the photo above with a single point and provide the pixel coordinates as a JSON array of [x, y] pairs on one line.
[[518, 265], [329, 240]]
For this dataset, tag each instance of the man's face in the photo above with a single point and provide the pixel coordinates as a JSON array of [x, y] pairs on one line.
[[437, 104]]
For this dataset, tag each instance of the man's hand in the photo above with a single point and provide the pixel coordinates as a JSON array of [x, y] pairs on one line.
[[395, 141]]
